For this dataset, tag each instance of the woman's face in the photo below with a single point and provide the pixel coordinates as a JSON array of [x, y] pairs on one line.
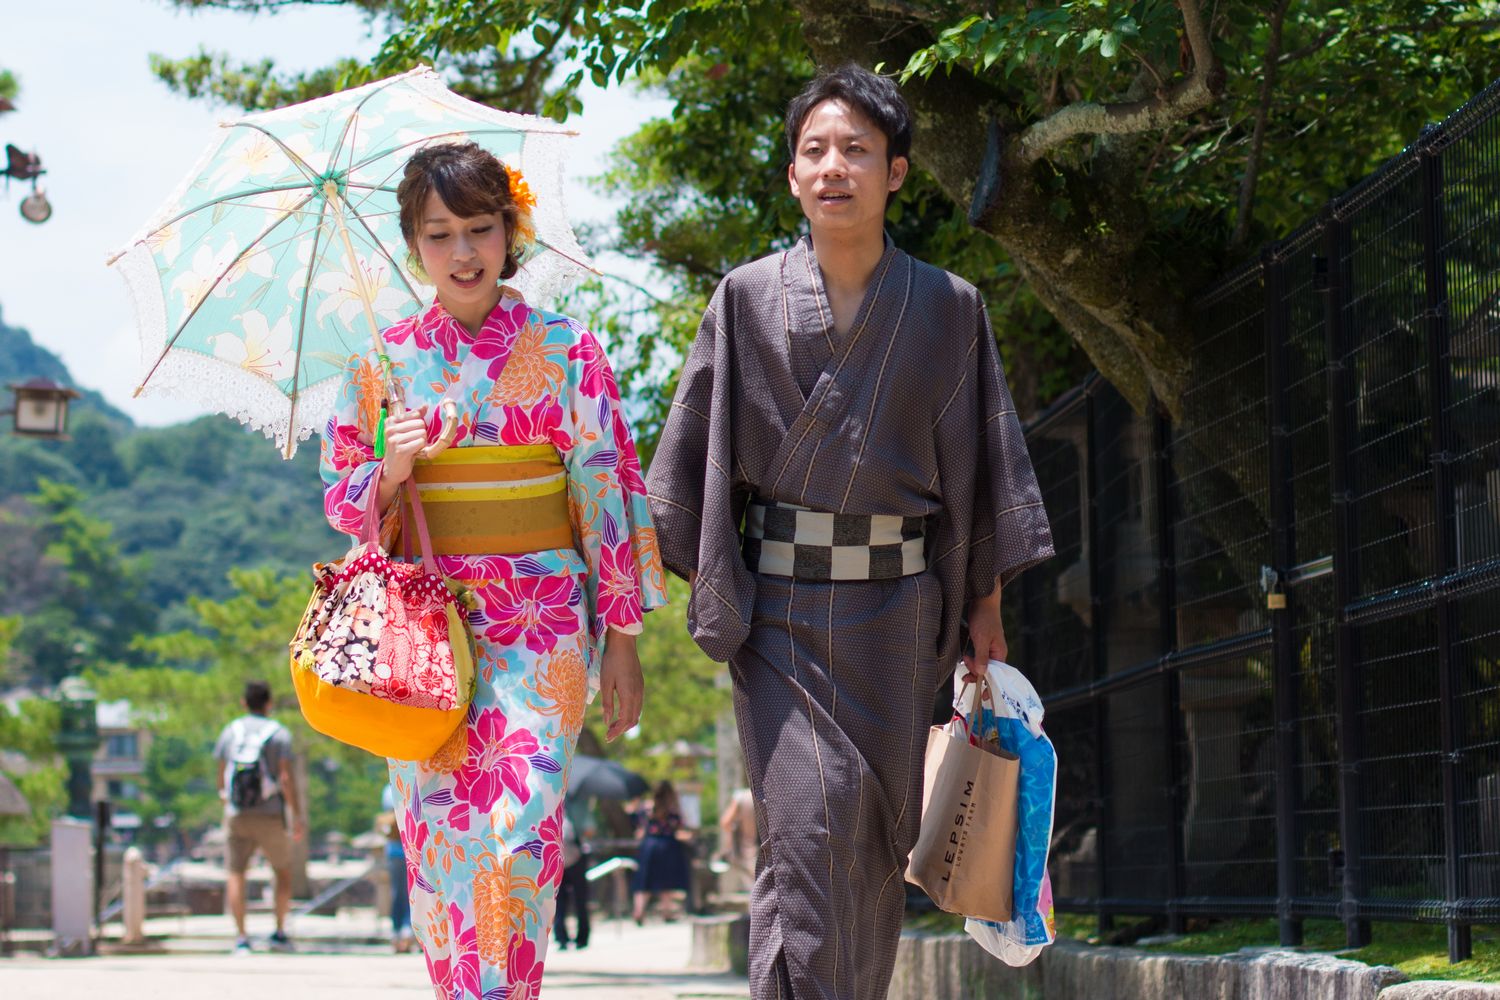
[[462, 257]]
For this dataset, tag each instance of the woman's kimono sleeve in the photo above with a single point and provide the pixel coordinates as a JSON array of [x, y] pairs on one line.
[[347, 460], [607, 496], [1009, 532], [695, 498]]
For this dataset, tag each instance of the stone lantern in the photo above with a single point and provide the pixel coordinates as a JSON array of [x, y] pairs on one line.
[[78, 741], [41, 408]]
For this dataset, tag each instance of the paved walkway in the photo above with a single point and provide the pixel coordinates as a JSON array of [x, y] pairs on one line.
[[622, 962]]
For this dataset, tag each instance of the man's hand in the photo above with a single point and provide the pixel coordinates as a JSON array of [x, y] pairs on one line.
[[621, 686], [987, 635], [299, 827]]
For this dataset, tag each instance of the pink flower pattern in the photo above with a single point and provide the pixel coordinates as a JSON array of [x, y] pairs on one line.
[[498, 762]]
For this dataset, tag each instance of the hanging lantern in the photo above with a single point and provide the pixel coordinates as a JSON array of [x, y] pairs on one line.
[[41, 408]]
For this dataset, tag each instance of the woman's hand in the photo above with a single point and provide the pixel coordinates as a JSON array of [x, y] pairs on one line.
[[987, 635], [404, 437], [621, 685]]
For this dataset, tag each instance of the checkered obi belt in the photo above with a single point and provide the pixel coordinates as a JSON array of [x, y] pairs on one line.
[[783, 539], [493, 500]]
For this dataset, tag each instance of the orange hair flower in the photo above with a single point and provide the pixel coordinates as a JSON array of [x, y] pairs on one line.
[[520, 191]]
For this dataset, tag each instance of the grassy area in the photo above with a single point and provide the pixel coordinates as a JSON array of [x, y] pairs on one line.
[[1418, 950], [934, 922]]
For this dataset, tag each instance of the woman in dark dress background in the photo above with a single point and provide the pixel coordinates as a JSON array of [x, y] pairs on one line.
[[662, 856]]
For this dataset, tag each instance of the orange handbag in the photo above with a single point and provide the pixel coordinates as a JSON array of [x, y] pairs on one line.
[[384, 656]]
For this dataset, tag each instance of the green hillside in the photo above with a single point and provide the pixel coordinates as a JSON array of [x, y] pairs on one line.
[[162, 512]]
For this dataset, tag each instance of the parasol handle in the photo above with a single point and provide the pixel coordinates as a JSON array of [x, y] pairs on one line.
[[448, 408], [393, 392]]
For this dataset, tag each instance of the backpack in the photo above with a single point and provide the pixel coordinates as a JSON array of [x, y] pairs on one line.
[[245, 773]]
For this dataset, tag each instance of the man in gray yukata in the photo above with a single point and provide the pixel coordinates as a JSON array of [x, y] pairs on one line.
[[844, 480]]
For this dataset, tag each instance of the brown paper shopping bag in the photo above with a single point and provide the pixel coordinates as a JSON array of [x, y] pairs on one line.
[[966, 850]]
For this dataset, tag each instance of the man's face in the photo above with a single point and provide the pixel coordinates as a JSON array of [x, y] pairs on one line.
[[840, 174]]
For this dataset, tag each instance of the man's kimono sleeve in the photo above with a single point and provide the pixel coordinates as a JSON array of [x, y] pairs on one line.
[[1009, 532], [695, 502]]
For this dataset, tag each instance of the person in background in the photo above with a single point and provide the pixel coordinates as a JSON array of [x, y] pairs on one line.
[[259, 792], [573, 892], [395, 864], [662, 857], [738, 843]]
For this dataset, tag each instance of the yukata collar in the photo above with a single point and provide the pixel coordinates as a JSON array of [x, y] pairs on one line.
[[500, 324], [806, 242]]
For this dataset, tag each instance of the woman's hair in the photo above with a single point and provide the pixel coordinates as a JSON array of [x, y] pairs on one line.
[[874, 96], [471, 181], [664, 801]]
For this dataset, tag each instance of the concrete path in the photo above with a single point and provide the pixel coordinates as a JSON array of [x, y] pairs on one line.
[[622, 962]]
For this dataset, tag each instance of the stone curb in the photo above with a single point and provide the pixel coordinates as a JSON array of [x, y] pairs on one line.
[[1437, 989], [953, 967]]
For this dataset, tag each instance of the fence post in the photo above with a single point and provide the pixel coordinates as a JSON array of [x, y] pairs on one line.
[[1283, 557], [1161, 475], [1096, 647], [1345, 577], [1440, 393], [133, 896]]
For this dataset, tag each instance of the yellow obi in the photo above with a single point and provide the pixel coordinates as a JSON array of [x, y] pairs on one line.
[[493, 500]]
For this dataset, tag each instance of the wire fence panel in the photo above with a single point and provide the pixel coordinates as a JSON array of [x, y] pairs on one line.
[[1056, 597], [1317, 810], [1075, 828], [1127, 552], [1219, 462], [1136, 797], [1229, 819], [1268, 643], [1392, 441], [1401, 809]]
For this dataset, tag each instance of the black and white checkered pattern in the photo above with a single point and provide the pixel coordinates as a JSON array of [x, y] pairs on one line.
[[783, 539]]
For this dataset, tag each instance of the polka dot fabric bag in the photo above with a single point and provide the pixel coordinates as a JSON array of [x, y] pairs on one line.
[[384, 656]]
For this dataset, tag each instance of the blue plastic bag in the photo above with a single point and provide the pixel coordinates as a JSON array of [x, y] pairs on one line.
[[1017, 722]]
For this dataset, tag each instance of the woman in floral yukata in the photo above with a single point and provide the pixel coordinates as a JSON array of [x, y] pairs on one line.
[[540, 509]]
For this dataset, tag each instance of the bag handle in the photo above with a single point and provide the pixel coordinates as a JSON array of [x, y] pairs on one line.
[[370, 531], [982, 692], [429, 564]]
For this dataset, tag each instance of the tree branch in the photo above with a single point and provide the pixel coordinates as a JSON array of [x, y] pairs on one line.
[[1327, 34], [1258, 140], [1194, 94], [905, 10]]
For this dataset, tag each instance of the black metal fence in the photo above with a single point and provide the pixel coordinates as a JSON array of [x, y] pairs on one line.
[[1270, 641]]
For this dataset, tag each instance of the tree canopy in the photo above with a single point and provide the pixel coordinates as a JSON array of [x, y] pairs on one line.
[[1098, 160]]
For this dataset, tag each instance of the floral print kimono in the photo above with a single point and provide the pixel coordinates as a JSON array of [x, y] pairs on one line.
[[481, 821]]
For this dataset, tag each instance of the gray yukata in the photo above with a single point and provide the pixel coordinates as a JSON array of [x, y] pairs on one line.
[[907, 414]]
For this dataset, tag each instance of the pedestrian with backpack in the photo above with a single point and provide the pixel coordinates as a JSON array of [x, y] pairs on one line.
[[258, 788]]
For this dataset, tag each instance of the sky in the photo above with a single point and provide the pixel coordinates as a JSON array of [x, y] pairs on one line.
[[115, 142]]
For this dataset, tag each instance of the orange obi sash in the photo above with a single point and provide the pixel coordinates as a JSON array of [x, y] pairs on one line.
[[493, 500]]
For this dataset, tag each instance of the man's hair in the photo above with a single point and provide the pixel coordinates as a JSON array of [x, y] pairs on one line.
[[876, 97], [257, 695]]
